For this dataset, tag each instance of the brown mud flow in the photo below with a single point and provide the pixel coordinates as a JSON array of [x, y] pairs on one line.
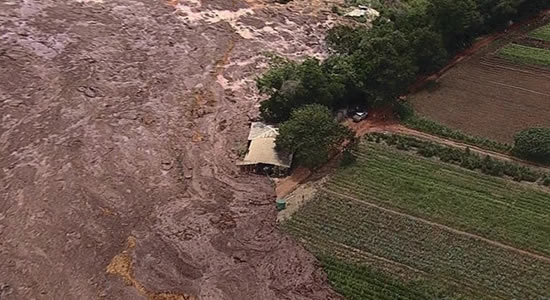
[[120, 122]]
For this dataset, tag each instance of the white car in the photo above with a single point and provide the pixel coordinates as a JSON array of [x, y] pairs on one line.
[[360, 116]]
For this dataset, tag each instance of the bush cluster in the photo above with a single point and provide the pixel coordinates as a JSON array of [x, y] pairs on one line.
[[533, 144], [463, 158]]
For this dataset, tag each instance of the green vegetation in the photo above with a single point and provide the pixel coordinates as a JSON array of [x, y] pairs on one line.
[[533, 144], [291, 85], [542, 33], [359, 226], [489, 206], [464, 158], [435, 128], [312, 134], [374, 66], [525, 54], [359, 282]]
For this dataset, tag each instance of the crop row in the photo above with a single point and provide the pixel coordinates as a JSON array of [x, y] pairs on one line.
[[477, 266], [362, 282], [542, 33], [525, 54], [494, 208]]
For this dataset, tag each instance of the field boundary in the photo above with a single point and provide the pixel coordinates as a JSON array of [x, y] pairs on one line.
[[441, 226]]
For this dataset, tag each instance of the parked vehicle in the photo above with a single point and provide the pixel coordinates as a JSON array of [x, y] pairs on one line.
[[360, 116]]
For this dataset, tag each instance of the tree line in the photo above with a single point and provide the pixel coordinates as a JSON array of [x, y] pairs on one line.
[[373, 66]]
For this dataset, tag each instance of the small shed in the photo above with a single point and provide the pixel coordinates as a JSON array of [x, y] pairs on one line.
[[262, 152]]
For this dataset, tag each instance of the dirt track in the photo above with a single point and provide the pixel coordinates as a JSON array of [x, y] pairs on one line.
[[119, 126]]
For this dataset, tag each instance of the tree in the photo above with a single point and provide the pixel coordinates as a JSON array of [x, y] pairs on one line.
[[458, 21], [533, 144], [345, 39], [312, 134], [429, 49], [385, 63], [291, 85]]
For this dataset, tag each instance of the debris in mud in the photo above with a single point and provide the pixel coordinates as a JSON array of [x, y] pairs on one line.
[[90, 92], [5, 290], [166, 165]]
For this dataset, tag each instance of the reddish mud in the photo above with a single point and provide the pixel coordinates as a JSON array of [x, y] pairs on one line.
[[120, 122]]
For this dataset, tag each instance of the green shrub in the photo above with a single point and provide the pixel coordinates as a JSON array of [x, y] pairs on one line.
[[402, 146], [491, 167], [546, 181], [528, 175], [427, 151], [348, 158], [533, 144], [471, 162], [510, 169]]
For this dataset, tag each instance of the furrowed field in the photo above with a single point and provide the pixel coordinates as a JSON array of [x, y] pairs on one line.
[[397, 226], [526, 54], [495, 93], [542, 33]]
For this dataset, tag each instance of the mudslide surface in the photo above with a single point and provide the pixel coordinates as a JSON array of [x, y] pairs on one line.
[[120, 124]]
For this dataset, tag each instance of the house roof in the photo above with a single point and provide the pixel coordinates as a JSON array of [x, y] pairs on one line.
[[262, 151], [261, 130]]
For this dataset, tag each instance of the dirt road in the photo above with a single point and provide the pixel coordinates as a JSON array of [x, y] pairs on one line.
[[119, 124]]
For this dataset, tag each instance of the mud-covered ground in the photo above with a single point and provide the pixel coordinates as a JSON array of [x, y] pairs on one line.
[[120, 123]]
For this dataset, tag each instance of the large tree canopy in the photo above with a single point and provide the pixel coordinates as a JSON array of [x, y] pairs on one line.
[[291, 85], [384, 61], [311, 134], [458, 21]]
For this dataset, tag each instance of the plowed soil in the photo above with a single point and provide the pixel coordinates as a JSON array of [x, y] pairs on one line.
[[120, 122], [488, 96]]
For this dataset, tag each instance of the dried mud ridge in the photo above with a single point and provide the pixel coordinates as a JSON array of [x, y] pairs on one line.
[[119, 122]]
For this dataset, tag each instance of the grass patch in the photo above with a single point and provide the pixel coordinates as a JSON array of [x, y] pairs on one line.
[[405, 256], [429, 126], [542, 33], [525, 54]]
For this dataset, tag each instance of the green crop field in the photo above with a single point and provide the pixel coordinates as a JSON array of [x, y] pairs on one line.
[[542, 33], [397, 226], [525, 54]]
